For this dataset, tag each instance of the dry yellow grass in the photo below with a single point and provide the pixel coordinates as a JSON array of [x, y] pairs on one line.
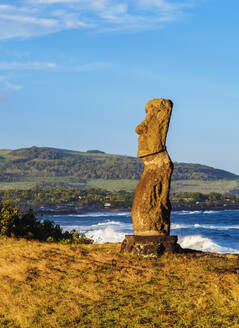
[[54, 285]]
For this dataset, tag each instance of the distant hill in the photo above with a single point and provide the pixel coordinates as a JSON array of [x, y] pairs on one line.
[[60, 165], [187, 171]]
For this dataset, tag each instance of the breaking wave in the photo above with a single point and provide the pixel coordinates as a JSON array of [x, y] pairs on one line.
[[212, 231], [197, 242], [196, 212], [100, 214], [175, 226], [107, 235], [204, 244], [108, 222]]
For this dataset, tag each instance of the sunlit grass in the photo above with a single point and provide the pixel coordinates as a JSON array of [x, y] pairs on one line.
[[221, 186], [122, 184], [71, 182], [54, 285]]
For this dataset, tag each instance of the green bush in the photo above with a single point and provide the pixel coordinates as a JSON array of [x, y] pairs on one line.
[[8, 218], [29, 227]]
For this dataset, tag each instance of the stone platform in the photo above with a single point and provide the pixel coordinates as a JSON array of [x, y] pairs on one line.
[[150, 245]]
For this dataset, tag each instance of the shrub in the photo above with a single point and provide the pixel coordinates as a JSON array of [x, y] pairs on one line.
[[29, 227], [8, 218]]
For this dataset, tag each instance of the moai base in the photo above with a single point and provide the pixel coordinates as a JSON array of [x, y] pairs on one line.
[[150, 245]]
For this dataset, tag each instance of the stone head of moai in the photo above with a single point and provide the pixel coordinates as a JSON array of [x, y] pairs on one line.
[[153, 130]]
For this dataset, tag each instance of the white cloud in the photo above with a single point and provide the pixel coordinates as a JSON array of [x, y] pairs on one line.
[[92, 3], [91, 67], [23, 23], [56, 1], [7, 86], [29, 20], [12, 86], [162, 4], [26, 66], [38, 17], [5, 7], [13, 66]]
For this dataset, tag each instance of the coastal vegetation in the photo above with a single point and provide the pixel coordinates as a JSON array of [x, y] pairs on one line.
[[26, 225], [67, 199], [55, 285], [51, 167]]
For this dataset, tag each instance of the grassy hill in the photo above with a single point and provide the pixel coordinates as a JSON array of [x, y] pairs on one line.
[[22, 168], [61, 286]]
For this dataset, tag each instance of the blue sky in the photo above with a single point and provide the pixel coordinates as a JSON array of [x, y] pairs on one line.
[[77, 73]]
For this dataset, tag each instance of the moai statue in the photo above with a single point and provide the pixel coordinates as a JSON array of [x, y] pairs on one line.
[[151, 206]]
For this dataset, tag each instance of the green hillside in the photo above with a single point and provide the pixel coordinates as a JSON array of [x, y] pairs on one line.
[[24, 167]]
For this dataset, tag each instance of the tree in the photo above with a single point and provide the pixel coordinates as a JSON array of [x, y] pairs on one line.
[[198, 197], [214, 196]]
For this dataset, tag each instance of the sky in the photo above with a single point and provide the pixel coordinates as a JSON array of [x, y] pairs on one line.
[[76, 74]]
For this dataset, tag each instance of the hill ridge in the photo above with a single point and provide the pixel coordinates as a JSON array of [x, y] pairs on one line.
[[56, 162]]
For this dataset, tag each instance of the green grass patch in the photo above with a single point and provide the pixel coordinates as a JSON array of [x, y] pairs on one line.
[[221, 186], [122, 184]]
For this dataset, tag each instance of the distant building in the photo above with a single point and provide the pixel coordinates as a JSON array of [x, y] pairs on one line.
[[107, 205]]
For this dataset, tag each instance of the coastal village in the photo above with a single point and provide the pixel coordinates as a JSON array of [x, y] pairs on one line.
[[61, 200]]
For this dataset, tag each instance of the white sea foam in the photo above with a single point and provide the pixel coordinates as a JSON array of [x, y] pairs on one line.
[[119, 226], [197, 242], [210, 212], [100, 214], [110, 234], [128, 214], [175, 226], [216, 227], [107, 235], [179, 212], [91, 214], [180, 226], [204, 244], [111, 227], [187, 212], [195, 212], [108, 222]]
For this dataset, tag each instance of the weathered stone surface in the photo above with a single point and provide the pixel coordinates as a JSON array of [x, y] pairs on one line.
[[150, 245], [153, 130], [151, 206]]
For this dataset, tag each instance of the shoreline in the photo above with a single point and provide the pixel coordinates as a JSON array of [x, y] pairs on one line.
[[52, 211]]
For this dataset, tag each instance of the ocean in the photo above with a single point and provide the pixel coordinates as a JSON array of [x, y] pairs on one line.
[[212, 231]]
